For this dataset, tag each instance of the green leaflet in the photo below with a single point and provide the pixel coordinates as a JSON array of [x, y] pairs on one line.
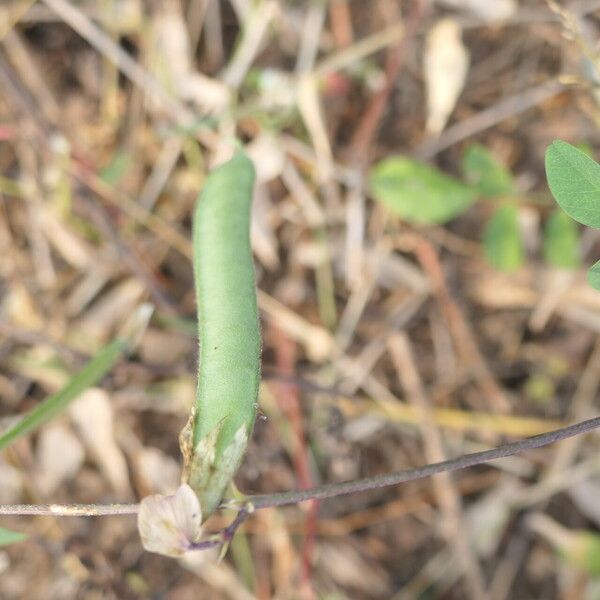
[[502, 239], [8, 537], [484, 172], [229, 334], [117, 168], [594, 276], [574, 180], [418, 192], [561, 241]]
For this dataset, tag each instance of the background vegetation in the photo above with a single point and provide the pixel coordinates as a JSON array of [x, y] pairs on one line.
[[421, 295]]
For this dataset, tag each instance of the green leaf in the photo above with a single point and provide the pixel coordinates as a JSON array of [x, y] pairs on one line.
[[91, 373], [419, 193], [8, 537], [561, 241], [502, 239], [485, 173], [574, 180], [117, 168], [594, 276]]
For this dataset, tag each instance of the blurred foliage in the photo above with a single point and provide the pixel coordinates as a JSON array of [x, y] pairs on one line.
[[424, 195], [502, 240]]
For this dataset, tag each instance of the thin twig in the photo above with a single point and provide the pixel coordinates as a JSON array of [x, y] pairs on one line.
[[256, 27], [226, 534], [369, 45], [69, 510], [502, 110], [327, 491], [380, 481]]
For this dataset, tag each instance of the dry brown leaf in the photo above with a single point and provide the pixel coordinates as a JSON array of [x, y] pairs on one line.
[[555, 284], [160, 347], [264, 241], [445, 65], [12, 483], [87, 289], [92, 413], [59, 457], [161, 473], [350, 568], [489, 515], [499, 290], [19, 307], [71, 248], [168, 396], [219, 576]]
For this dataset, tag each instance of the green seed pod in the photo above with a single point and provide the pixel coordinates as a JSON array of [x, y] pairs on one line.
[[215, 440]]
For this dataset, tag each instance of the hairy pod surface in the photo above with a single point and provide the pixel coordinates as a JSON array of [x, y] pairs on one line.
[[229, 333]]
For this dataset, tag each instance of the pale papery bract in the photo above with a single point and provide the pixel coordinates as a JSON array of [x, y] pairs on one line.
[[170, 525]]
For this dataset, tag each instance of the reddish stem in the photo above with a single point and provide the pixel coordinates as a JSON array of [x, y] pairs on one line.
[[289, 402]]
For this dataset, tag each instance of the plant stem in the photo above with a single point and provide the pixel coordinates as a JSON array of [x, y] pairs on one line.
[[226, 534], [69, 510], [462, 462], [322, 492]]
